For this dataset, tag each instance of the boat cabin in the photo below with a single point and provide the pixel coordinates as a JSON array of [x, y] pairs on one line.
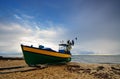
[[63, 48]]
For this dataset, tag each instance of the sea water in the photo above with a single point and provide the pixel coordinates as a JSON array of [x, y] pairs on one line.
[[104, 59]]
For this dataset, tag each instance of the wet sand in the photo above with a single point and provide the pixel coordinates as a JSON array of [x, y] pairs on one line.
[[72, 70]]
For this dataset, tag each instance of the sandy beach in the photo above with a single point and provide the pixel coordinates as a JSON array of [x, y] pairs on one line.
[[72, 70]]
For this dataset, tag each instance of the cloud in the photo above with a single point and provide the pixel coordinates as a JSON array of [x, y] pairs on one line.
[[95, 23], [12, 35], [17, 17], [27, 16]]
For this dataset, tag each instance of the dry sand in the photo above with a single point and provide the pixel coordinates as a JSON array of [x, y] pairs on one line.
[[70, 70]]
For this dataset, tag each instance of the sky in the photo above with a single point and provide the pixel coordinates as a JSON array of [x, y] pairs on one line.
[[95, 23]]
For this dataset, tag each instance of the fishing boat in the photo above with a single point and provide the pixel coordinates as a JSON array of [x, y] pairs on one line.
[[34, 56]]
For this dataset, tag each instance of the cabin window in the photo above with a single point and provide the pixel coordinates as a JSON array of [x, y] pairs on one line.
[[62, 49]]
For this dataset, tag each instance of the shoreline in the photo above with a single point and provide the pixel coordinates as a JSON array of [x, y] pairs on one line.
[[71, 70], [11, 58]]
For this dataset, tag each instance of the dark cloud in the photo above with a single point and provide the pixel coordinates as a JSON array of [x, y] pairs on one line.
[[96, 19]]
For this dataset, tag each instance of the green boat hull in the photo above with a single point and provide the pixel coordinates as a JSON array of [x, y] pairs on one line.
[[33, 59], [34, 56]]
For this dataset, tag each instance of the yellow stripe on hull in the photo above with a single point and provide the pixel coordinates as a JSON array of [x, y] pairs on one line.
[[45, 52]]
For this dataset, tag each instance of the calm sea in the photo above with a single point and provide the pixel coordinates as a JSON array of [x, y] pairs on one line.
[[113, 59]]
